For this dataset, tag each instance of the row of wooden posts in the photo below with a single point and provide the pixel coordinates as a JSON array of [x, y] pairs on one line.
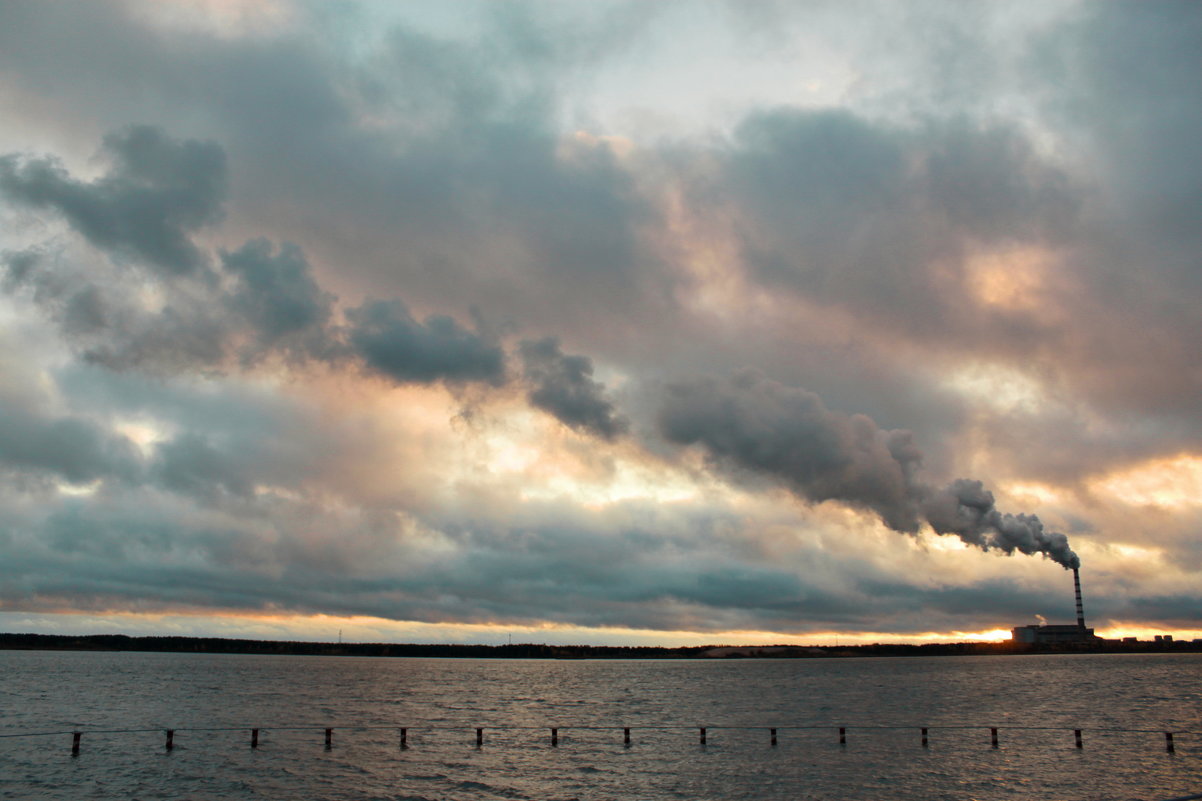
[[404, 732]]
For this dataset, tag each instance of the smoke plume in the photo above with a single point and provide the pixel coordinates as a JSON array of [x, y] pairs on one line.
[[965, 508], [751, 423]]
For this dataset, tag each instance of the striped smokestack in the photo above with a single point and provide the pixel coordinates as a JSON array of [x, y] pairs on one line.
[[1080, 609]]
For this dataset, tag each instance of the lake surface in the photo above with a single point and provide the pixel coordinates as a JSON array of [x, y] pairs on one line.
[[442, 701]]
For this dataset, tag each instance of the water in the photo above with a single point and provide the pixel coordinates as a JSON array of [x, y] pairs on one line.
[[443, 701]]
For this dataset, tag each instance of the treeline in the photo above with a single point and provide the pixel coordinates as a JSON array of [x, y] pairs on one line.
[[220, 645]]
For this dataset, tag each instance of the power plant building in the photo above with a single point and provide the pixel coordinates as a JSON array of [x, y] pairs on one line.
[[1050, 635], [1058, 634]]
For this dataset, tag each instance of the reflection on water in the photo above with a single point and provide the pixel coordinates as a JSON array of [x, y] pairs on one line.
[[442, 702]]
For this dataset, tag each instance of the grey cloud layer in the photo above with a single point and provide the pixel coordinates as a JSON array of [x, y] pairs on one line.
[[73, 448], [667, 572], [878, 219]]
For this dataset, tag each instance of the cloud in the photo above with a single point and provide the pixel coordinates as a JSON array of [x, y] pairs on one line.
[[278, 297], [563, 386], [71, 448], [877, 218], [1140, 61], [189, 464], [394, 344], [19, 266], [155, 194], [264, 299]]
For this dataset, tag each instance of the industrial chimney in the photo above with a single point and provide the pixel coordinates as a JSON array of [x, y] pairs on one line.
[[1080, 609]]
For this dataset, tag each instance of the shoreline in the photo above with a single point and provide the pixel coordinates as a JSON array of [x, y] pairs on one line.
[[221, 645]]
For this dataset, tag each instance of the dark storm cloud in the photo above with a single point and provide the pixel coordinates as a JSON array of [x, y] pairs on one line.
[[563, 385], [751, 423], [393, 343], [157, 192]]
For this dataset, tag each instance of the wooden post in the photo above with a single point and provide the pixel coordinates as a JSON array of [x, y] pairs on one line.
[[404, 738], [170, 739], [479, 737], [924, 737], [772, 733], [554, 738], [842, 735], [329, 738], [993, 737], [75, 743], [626, 736], [1168, 742], [1077, 737], [254, 738]]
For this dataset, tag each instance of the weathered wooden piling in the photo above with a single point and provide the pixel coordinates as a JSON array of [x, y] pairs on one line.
[[702, 734]]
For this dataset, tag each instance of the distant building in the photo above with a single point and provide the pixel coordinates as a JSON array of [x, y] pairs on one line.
[[1049, 635], [1061, 634]]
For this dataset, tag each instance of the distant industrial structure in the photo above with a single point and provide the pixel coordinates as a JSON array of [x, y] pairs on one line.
[[1062, 634]]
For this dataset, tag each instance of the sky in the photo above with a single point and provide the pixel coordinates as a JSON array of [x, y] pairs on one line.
[[670, 322]]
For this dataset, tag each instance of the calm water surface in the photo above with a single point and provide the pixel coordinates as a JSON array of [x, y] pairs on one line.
[[443, 701]]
